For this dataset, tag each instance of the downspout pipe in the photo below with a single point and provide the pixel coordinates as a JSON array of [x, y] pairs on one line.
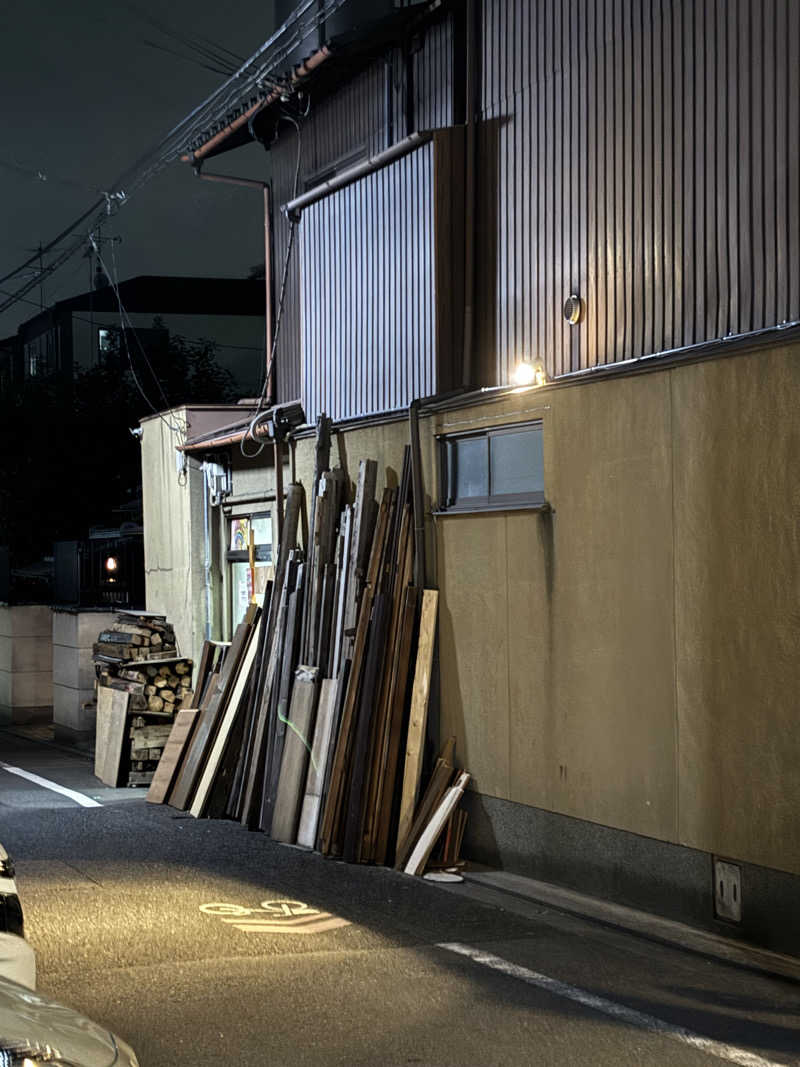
[[417, 495], [207, 552], [470, 177], [252, 183]]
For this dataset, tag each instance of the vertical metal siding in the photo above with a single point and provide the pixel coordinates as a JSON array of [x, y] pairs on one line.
[[367, 325], [643, 153], [354, 123]]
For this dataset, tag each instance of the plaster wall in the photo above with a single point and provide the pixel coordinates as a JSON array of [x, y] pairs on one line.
[[174, 550], [74, 633], [26, 663], [633, 658]]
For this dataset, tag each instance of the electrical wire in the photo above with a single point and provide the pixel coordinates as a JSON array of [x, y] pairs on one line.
[[178, 430], [281, 303], [245, 86]]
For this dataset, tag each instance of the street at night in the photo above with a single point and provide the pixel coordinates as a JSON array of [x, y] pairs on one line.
[[312, 961]]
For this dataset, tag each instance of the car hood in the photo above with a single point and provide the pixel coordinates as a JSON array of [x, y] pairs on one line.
[[29, 1020]]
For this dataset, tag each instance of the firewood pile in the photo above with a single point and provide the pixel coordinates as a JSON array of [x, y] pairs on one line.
[[312, 725], [141, 684]]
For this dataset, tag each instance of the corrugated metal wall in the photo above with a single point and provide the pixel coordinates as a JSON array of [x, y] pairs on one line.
[[367, 320], [643, 153], [365, 116]]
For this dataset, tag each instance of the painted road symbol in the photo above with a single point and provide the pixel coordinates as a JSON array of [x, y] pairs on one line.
[[275, 917]]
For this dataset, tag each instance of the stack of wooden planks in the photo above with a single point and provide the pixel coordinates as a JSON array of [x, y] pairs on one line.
[[134, 635], [313, 726], [141, 684]]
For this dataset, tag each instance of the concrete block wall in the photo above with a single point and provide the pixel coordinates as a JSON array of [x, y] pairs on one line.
[[73, 634], [26, 663]]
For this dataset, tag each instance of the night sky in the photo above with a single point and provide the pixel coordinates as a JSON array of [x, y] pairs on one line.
[[84, 96]]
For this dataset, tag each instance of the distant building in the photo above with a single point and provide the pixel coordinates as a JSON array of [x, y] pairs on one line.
[[75, 334]]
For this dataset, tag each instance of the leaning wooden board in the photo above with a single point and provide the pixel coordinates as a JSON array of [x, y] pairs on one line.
[[228, 715], [294, 762], [170, 758], [419, 712], [312, 802], [207, 722], [430, 835], [112, 712]]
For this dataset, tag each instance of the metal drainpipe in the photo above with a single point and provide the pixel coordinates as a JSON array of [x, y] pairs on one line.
[[469, 193], [252, 183], [207, 551], [417, 495]]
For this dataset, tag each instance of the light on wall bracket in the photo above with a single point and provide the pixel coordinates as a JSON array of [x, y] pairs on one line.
[[529, 373]]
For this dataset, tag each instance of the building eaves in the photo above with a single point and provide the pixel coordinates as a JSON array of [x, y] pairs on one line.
[[324, 69]]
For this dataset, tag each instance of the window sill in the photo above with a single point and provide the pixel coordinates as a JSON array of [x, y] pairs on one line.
[[481, 509]]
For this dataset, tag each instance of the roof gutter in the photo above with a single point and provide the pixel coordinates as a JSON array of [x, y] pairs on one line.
[[299, 73], [213, 443], [353, 174]]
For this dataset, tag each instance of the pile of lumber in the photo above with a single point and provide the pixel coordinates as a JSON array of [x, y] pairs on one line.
[[312, 728], [134, 635], [141, 684]]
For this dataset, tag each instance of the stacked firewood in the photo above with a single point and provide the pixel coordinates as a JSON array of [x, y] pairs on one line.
[[139, 673], [313, 727], [135, 636]]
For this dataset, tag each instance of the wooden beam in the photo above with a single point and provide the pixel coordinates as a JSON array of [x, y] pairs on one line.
[[419, 711], [294, 765], [170, 758]]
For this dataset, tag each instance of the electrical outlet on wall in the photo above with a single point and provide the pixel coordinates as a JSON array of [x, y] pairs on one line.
[[727, 890]]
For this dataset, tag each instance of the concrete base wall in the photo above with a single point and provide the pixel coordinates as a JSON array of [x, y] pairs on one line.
[[26, 664], [655, 876], [74, 633]]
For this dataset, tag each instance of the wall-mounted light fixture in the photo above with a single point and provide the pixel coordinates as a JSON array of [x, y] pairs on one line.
[[112, 564], [529, 372]]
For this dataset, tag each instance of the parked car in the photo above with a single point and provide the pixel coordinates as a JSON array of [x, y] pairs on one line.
[[34, 1030]]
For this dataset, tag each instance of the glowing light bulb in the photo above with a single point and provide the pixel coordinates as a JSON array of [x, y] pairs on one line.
[[527, 372]]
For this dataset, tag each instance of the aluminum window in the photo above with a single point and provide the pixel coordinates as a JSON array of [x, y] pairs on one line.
[[493, 469]]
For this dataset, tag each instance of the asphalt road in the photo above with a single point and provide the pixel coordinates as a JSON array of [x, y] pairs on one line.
[[201, 943]]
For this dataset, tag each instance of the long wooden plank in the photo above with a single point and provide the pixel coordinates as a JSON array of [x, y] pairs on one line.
[[419, 857], [312, 801], [210, 689], [334, 803], [290, 631], [294, 765], [380, 754], [441, 780], [234, 806], [397, 703], [419, 711], [254, 777], [203, 668], [361, 744], [171, 756], [361, 538], [208, 719], [341, 594], [112, 710], [229, 713]]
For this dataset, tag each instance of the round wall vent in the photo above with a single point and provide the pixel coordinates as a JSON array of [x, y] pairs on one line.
[[573, 306]]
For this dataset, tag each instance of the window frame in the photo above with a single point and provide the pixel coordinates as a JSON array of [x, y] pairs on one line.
[[451, 505]]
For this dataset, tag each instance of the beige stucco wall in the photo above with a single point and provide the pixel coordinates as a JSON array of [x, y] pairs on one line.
[[634, 658], [174, 552], [737, 530]]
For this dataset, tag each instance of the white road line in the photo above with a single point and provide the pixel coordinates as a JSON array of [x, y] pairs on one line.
[[79, 798], [609, 1007]]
